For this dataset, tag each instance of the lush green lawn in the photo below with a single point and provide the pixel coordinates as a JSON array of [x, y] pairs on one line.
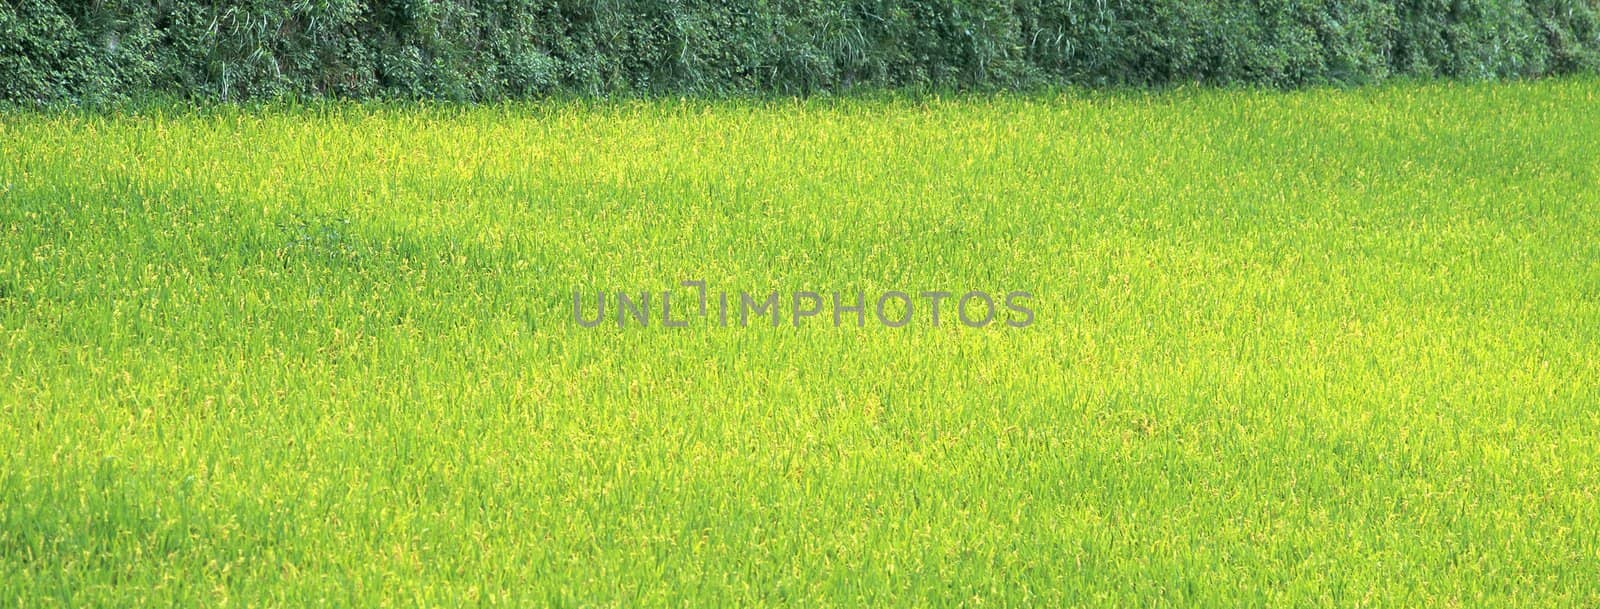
[[1328, 347]]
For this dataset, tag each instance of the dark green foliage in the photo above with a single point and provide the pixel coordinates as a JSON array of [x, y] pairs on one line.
[[55, 51]]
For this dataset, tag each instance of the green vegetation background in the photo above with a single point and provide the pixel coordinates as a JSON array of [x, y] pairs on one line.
[[107, 50]]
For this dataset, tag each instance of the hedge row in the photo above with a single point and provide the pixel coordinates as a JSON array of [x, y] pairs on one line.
[[54, 51]]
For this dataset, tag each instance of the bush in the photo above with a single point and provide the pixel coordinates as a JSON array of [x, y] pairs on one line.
[[86, 52]]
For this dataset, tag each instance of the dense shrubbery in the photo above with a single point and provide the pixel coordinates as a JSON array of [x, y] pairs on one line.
[[94, 50]]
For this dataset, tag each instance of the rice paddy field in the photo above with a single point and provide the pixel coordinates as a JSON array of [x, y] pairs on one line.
[[1315, 348]]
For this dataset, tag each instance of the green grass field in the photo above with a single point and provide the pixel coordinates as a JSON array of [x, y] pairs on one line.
[[1313, 348]]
